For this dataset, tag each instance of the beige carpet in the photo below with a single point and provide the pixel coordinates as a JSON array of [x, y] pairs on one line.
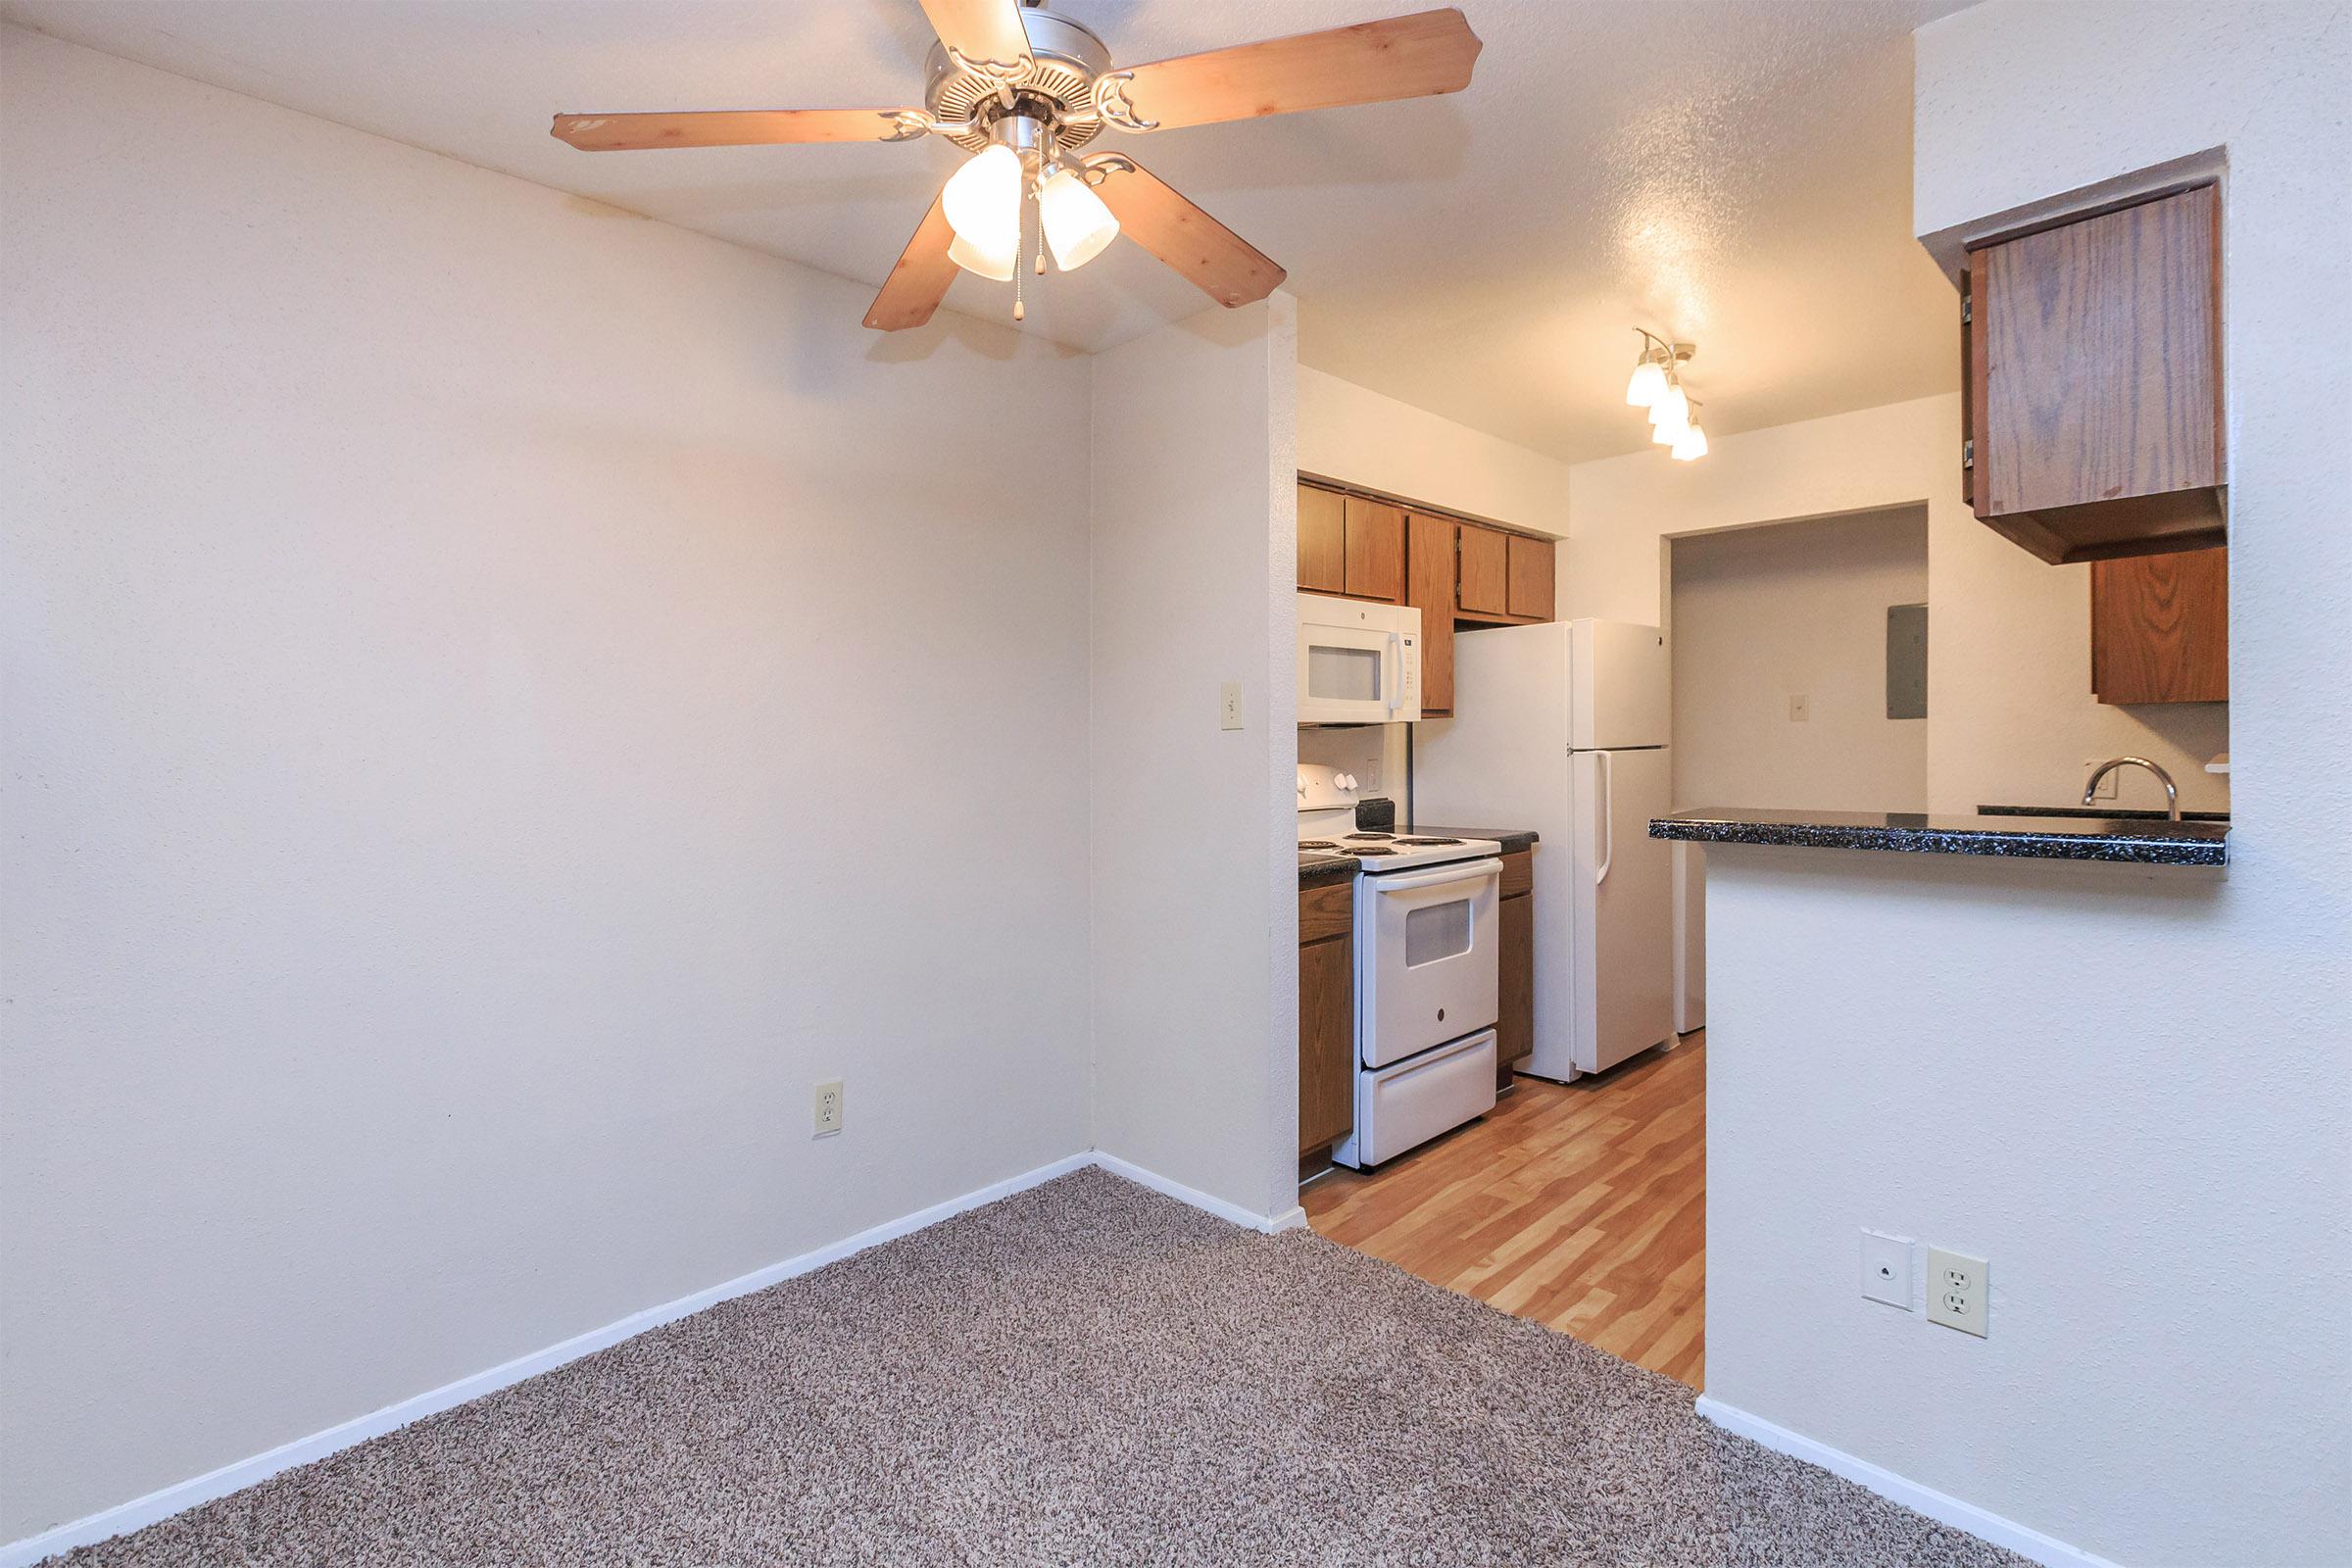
[[1084, 1373]]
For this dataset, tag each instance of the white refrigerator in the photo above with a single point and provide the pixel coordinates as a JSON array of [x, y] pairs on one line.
[[1563, 728]]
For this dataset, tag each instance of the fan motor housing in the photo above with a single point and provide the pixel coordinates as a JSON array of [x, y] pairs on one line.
[[1065, 59]]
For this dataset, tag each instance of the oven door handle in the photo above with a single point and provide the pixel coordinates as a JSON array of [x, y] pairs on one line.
[[1390, 882]]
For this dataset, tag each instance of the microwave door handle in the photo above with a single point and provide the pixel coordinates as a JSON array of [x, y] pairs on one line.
[[1396, 672], [1608, 811]]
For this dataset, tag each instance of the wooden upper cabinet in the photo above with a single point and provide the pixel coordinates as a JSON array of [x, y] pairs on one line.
[[1529, 595], [1429, 588], [1322, 541], [2093, 370], [2159, 628], [1375, 550], [1484, 585]]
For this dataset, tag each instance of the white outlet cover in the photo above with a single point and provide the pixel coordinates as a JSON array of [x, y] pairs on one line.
[[827, 1108], [1959, 1287], [1887, 1268]]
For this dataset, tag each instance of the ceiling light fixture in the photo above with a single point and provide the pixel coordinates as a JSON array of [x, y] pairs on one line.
[[1656, 384]]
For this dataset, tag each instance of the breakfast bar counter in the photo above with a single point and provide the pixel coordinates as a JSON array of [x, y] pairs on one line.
[[2139, 841]]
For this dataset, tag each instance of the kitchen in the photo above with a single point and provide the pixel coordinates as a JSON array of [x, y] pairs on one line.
[[1808, 680]]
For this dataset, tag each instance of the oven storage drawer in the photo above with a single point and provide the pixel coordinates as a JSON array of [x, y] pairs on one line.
[[1414, 1101]]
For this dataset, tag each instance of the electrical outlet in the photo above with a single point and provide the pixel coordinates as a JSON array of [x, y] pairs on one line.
[[2109, 787], [1800, 707], [1887, 1268], [1958, 1289], [828, 1107], [1229, 705]]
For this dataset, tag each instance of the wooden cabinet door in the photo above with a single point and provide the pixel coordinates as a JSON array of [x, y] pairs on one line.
[[2094, 381], [1485, 572], [1515, 953], [1326, 1042], [1322, 541], [2159, 628], [1375, 550], [1528, 594], [1429, 588]]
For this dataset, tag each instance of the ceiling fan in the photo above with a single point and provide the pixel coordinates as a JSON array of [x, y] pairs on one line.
[[1023, 90]]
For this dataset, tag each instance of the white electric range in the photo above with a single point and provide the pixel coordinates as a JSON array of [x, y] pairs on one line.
[[1427, 983]]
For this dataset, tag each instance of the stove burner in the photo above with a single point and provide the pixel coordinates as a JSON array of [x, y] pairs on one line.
[[1367, 849], [1373, 837], [1317, 844], [1426, 844]]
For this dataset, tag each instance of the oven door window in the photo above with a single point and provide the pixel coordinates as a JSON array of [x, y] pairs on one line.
[[1436, 932], [1341, 675]]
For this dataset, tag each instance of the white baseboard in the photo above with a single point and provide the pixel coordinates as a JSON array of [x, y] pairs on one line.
[[1291, 1219], [172, 1499], [1942, 1507]]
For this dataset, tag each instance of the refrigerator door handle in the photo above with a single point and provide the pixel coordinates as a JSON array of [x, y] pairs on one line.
[[1608, 812]]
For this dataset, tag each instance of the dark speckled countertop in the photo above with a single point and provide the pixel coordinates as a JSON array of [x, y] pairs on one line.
[[1315, 871], [2138, 840], [1512, 839]]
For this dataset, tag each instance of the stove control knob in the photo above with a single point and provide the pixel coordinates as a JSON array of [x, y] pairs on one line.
[[1346, 781], [1302, 784]]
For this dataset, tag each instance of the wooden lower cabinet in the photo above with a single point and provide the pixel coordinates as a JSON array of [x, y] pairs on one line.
[[1515, 930], [1325, 1014]]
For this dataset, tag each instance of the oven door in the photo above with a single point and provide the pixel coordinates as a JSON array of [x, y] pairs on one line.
[[1425, 957], [1357, 676]]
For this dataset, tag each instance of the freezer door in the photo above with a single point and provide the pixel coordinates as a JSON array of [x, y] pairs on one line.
[[1624, 888], [1617, 685]]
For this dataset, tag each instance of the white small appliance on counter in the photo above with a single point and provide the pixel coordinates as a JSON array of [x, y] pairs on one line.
[[1359, 662], [1428, 985], [1563, 727]]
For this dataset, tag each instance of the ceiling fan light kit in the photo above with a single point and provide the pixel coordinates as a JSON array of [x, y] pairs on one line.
[[1656, 384], [1023, 89]]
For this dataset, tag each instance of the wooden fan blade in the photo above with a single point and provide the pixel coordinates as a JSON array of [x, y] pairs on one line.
[[920, 280], [726, 127], [1231, 270], [985, 32], [1404, 56]]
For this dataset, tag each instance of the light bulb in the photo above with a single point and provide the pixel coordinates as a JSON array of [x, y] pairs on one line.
[[1647, 385], [1671, 411], [1691, 446], [983, 201], [1077, 224], [994, 264]]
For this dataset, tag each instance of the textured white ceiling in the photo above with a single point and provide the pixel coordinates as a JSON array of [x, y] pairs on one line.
[[1732, 172]]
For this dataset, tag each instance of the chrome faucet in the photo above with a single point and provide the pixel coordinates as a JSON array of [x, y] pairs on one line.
[[2172, 793]]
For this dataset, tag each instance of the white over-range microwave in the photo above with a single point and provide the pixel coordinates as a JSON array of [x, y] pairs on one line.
[[1358, 663]]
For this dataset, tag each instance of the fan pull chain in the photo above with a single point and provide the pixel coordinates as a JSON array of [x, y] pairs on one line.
[[1021, 312]]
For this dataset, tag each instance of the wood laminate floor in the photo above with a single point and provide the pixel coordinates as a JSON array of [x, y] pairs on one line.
[[1580, 1205]]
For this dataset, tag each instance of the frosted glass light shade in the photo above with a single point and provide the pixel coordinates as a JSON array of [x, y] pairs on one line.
[[1647, 385], [1691, 446], [1671, 411], [983, 201], [1077, 224], [996, 266]]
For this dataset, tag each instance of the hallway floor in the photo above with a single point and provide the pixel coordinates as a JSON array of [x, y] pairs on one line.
[[1581, 1207]]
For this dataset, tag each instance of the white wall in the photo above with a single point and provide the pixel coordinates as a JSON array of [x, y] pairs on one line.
[[1362, 437], [2011, 718], [501, 696], [2127, 1088], [1195, 884], [1763, 614]]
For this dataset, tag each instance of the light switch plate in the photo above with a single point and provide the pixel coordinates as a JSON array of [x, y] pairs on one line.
[[1958, 1288], [1229, 705], [1800, 707], [2109, 787], [1887, 1268]]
